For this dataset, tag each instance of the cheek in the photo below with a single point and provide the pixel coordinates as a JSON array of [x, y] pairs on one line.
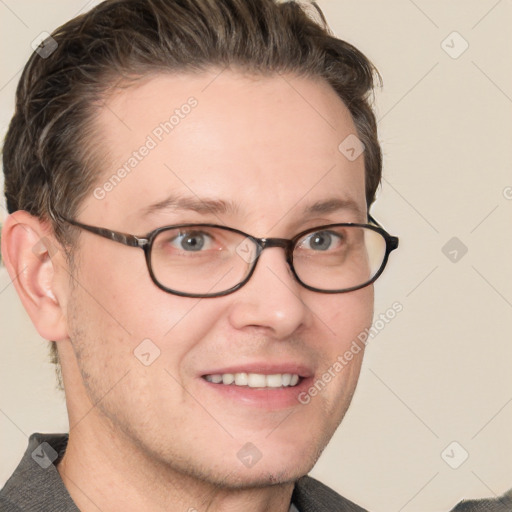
[[346, 315], [133, 349], [122, 314], [123, 299]]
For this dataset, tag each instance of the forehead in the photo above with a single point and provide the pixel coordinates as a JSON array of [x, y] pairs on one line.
[[261, 143]]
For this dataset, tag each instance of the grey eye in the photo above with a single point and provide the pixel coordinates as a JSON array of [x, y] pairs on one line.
[[193, 241], [321, 241]]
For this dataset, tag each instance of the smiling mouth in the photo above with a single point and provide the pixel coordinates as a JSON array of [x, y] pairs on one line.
[[255, 380]]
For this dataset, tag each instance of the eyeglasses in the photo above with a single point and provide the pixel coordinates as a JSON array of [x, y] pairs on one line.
[[207, 260]]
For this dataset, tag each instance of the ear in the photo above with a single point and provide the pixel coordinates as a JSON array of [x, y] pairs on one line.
[[36, 264]]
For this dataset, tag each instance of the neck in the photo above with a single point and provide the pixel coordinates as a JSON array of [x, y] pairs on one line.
[[108, 472]]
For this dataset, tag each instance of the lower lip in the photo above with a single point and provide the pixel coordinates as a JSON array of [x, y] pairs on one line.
[[265, 398]]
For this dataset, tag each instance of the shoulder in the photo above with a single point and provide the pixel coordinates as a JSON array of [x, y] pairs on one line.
[[36, 483], [8, 506], [310, 495], [500, 504]]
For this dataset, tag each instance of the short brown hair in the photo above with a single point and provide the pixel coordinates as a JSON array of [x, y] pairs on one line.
[[48, 160]]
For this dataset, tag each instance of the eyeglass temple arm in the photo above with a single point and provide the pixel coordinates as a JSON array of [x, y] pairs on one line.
[[116, 236], [391, 240], [373, 221]]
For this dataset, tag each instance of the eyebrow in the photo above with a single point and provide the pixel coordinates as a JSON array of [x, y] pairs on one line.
[[334, 205], [198, 205], [219, 206]]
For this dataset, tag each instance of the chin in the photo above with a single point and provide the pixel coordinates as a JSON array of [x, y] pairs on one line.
[[263, 477], [278, 466], [269, 470]]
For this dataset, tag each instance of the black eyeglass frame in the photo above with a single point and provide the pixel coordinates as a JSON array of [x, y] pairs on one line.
[[146, 242]]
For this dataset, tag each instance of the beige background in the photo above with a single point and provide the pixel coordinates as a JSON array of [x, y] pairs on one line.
[[440, 371]]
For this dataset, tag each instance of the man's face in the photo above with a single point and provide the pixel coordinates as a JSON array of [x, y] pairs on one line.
[[268, 149]]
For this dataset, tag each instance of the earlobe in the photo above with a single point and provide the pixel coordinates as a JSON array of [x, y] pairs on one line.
[[32, 258]]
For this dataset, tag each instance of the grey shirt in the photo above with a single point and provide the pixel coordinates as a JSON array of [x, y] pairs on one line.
[[36, 486]]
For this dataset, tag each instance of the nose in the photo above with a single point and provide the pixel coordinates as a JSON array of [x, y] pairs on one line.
[[272, 300]]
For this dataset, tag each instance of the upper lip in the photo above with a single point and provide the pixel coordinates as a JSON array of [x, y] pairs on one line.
[[265, 368]]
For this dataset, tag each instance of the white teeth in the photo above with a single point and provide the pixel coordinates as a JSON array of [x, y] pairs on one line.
[[241, 379], [286, 379], [275, 381], [255, 380], [227, 378]]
